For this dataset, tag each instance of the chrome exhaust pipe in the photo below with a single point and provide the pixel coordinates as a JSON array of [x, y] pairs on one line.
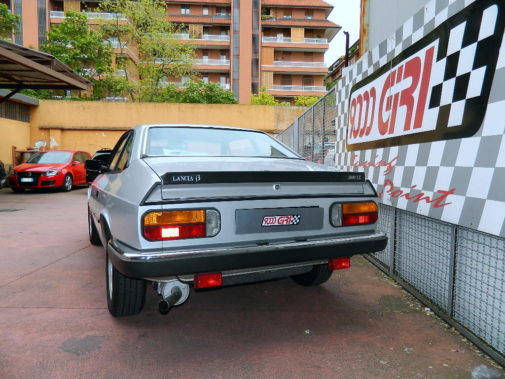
[[173, 292]]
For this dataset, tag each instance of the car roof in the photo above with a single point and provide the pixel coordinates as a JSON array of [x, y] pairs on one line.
[[146, 126]]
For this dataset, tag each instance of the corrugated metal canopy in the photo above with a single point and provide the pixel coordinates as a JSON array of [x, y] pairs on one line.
[[22, 68]]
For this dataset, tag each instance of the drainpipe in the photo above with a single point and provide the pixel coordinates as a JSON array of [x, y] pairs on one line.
[[346, 49]]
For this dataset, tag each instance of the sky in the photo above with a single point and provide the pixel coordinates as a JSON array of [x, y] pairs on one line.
[[346, 14]]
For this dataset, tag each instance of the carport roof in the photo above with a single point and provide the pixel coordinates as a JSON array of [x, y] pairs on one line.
[[22, 68]]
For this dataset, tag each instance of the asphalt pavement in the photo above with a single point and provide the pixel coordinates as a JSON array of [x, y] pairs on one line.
[[54, 321]]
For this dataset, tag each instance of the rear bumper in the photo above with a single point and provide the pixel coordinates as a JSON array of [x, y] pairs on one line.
[[142, 264]]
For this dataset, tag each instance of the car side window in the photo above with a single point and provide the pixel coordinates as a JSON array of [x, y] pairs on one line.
[[81, 157], [118, 149], [77, 157], [125, 156]]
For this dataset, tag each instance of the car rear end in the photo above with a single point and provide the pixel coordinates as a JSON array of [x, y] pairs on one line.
[[199, 222]]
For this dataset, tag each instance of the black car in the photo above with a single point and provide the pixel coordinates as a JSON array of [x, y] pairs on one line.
[[103, 156]]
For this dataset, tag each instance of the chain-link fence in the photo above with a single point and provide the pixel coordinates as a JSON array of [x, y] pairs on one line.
[[458, 272]]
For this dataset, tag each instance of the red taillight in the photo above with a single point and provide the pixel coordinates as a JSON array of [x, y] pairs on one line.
[[157, 233], [359, 213], [370, 218], [339, 263], [208, 280], [173, 225]]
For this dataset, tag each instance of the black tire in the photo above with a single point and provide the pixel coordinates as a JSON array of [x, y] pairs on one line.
[[18, 190], [318, 275], [94, 237], [125, 296], [68, 183]]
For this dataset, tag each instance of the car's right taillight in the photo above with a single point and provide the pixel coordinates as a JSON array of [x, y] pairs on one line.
[[349, 214]]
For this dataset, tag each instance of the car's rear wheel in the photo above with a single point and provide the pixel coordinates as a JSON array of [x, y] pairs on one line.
[[18, 190], [318, 275], [94, 238], [68, 183], [125, 296]]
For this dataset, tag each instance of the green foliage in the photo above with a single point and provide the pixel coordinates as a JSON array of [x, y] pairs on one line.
[[196, 92], [8, 22], [37, 93], [306, 101], [161, 55], [81, 48], [264, 98]]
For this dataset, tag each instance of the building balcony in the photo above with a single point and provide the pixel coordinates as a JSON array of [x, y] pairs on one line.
[[212, 62], [310, 41], [296, 90], [205, 37], [291, 67], [184, 85], [201, 19], [91, 16]]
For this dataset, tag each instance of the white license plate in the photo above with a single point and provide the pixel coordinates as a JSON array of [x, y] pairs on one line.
[[26, 180]]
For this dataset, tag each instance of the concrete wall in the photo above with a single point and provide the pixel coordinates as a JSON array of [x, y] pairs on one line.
[[93, 125], [12, 133]]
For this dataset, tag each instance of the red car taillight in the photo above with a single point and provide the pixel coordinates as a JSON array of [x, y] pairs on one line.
[[172, 225], [348, 214]]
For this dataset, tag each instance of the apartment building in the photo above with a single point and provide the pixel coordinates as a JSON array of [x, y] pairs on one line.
[[242, 45]]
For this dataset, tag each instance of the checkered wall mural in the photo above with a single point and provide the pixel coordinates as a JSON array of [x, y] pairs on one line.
[[452, 167]]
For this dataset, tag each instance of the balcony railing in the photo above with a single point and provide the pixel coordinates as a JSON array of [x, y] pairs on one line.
[[205, 37], [92, 15], [315, 41], [299, 64], [184, 85], [212, 62], [217, 16], [116, 44], [297, 88]]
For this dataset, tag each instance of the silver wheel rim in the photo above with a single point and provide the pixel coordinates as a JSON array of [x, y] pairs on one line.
[[68, 183], [109, 278]]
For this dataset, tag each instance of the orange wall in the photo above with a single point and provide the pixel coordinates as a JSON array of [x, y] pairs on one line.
[[30, 24]]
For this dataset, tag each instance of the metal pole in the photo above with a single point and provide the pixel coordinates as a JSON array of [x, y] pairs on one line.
[[346, 49]]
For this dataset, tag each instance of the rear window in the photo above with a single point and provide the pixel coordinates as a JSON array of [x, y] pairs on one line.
[[191, 141]]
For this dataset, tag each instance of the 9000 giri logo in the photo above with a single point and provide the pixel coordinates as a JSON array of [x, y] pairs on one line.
[[436, 89], [281, 220]]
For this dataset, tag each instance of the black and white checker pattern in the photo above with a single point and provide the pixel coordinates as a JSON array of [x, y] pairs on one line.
[[474, 166]]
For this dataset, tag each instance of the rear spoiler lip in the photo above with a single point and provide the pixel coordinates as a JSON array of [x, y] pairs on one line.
[[213, 177]]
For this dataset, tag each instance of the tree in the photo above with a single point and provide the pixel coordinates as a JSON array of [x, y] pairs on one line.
[[161, 55], [196, 92], [81, 48], [206, 93], [264, 98], [9, 22], [306, 101]]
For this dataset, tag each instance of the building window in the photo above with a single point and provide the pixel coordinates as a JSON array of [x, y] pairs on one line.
[[205, 11], [205, 55], [309, 13], [223, 55], [205, 79], [221, 11], [287, 13], [308, 81], [285, 80], [185, 9]]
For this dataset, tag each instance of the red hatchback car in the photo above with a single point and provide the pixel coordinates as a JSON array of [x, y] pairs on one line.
[[50, 169]]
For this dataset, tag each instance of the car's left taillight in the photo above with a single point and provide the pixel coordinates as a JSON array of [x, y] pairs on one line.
[[181, 224]]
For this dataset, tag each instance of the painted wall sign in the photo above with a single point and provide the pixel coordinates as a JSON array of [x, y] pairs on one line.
[[422, 115], [436, 89]]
